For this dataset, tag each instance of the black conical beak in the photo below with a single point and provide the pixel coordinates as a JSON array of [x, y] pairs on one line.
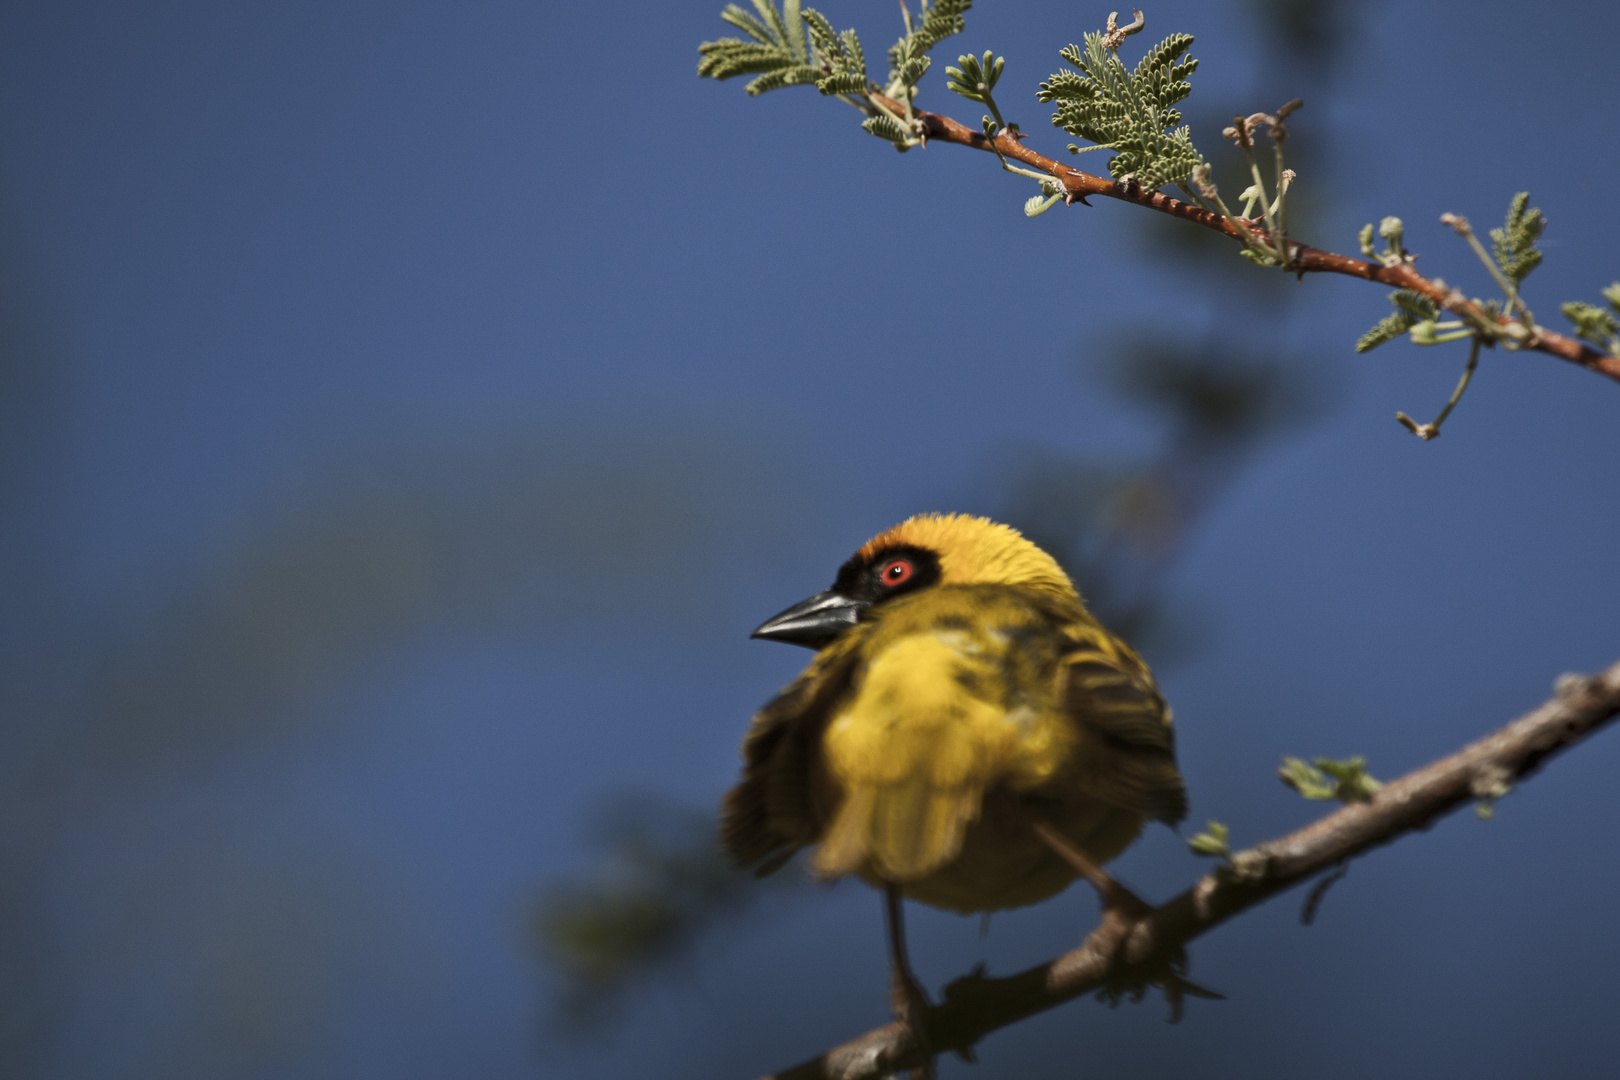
[[814, 622]]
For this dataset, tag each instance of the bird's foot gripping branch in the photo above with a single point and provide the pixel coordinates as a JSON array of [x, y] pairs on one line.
[[1131, 113]]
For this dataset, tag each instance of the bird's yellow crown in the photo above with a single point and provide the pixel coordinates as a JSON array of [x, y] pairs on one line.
[[974, 551]]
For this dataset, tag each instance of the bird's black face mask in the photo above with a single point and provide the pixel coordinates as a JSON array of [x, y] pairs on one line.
[[816, 622]]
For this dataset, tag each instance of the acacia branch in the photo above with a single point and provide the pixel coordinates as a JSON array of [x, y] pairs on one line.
[[1303, 258], [1126, 949]]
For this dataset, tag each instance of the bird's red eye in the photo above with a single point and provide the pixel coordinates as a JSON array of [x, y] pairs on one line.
[[896, 572]]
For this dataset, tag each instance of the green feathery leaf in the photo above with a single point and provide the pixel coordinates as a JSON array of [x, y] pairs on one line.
[[885, 126], [1415, 304], [908, 57], [840, 54], [975, 78], [941, 19], [751, 26], [1411, 308], [822, 34], [913, 69], [1129, 111], [1388, 329], [1515, 242], [775, 80], [1594, 324], [778, 53]]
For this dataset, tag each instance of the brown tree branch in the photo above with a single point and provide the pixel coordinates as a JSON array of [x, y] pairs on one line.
[[1126, 950], [1080, 185]]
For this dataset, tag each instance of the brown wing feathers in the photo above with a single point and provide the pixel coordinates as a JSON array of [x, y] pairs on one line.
[[1134, 746], [778, 806]]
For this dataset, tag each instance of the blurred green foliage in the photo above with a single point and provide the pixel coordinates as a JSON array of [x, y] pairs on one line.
[[555, 532], [567, 532], [1214, 842], [1117, 527], [1346, 781], [660, 881]]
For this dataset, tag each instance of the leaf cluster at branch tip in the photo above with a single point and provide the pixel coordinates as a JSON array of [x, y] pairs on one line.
[[830, 61], [908, 57], [840, 55], [1595, 324], [1513, 257], [1514, 244], [1128, 112], [791, 46], [777, 51]]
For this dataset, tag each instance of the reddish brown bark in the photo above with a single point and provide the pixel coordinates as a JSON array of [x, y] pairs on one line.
[[1082, 185]]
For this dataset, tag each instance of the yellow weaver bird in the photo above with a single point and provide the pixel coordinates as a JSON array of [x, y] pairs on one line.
[[968, 735]]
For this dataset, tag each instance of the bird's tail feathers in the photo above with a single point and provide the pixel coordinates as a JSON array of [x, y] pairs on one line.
[[899, 832]]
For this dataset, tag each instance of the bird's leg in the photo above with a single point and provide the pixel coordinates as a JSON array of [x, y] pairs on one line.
[[907, 998], [1113, 894], [1116, 898], [1164, 970]]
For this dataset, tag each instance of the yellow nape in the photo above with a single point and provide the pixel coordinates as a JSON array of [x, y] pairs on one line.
[[915, 753], [975, 551]]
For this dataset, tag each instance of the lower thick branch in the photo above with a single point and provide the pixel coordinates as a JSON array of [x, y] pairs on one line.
[[1305, 259], [1124, 950]]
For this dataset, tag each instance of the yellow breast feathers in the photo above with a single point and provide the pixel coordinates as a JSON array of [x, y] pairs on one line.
[[952, 704]]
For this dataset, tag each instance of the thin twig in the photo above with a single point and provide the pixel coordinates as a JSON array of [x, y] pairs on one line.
[[1431, 430], [1245, 141], [1510, 289], [1121, 948], [1305, 260]]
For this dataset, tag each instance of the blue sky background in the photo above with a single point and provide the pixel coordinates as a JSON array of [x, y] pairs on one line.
[[409, 408]]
